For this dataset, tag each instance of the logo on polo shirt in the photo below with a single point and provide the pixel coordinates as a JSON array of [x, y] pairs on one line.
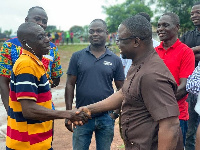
[[107, 63]]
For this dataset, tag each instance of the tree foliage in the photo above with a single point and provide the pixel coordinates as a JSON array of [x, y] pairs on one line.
[[8, 33], [181, 7], [117, 13], [77, 30], [51, 28]]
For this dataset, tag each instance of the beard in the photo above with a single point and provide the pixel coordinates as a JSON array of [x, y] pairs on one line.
[[123, 56]]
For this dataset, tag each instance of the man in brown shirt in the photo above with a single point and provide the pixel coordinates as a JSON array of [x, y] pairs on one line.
[[150, 111]]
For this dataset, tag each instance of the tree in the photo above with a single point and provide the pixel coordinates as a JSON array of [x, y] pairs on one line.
[[51, 28], [8, 33], [117, 13], [77, 30], [181, 7]]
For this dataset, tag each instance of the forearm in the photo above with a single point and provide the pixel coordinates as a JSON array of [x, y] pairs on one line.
[[69, 96], [181, 92], [196, 49], [111, 103], [42, 113], [4, 87], [168, 141]]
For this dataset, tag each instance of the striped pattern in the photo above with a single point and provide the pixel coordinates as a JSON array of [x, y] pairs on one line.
[[193, 81], [28, 81]]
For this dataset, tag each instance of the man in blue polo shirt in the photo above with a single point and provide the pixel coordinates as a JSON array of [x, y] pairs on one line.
[[92, 70]]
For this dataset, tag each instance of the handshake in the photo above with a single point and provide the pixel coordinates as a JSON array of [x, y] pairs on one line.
[[77, 117]]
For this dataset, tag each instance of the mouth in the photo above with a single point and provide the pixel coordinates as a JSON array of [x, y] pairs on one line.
[[161, 34], [48, 47], [195, 20]]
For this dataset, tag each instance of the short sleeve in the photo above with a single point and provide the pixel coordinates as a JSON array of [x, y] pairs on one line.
[[25, 84], [119, 72], [56, 70], [187, 63], [6, 64], [124, 61], [73, 65], [193, 81], [182, 38], [158, 95]]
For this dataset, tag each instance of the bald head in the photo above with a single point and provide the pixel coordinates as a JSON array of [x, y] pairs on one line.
[[25, 30]]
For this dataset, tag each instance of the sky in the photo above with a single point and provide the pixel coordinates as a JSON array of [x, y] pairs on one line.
[[61, 13]]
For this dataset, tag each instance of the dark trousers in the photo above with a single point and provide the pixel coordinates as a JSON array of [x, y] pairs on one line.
[[192, 123]]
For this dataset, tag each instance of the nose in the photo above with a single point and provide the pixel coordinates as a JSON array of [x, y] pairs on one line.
[[42, 24]]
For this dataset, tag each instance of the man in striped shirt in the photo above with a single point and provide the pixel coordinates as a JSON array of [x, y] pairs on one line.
[[30, 113]]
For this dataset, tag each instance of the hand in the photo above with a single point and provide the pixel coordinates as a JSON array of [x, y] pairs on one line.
[[112, 116], [85, 110], [68, 125], [78, 117]]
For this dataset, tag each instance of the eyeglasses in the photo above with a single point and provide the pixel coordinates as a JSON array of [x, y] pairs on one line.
[[119, 40], [98, 31]]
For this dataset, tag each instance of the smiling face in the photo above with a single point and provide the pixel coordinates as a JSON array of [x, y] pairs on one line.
[[39, 16], [97, 33], [166, 29], [195, 15]]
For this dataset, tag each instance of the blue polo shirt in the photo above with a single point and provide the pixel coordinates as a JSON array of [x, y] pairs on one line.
[[94, 75]]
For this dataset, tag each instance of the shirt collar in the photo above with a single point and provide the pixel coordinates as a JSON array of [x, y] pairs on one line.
[[108, 52], [178, 42], [25, 52], [197, 32]]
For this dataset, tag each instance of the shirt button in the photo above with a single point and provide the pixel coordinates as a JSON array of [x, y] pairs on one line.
[[131, 143]]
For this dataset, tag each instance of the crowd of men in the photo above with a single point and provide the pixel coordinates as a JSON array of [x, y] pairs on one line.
[[152, 99]]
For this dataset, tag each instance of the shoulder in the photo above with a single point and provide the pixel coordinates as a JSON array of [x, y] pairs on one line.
[[14, 41], [79, 53], [185, 48]]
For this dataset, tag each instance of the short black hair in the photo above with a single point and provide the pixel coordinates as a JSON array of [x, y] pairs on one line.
[[174, 17], [145, 15], [139, 26], [23, 30], [32, 8], [197, 3], [100, 20]]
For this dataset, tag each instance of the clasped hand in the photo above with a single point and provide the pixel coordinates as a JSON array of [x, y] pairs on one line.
[[78, 117]]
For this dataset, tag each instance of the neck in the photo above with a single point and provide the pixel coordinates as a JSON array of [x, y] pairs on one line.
[[97, 48], [33, 52], [143, 54], [169, 43], [198, 28]]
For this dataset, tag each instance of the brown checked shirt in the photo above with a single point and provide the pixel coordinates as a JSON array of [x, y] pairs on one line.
[[148, 97]]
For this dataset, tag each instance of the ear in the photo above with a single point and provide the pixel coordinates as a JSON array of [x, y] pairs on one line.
[[23, 42], [26, 19], [178, 26], [106, 32], [137, 42]]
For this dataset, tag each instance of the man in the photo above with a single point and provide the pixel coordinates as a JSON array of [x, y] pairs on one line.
[[11, 51], [193, 87], [128, 62], [92, 70], [179, 58], [192, 40], [30, 113], [149, 110]]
